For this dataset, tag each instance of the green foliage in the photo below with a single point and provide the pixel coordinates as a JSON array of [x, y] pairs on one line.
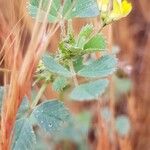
[[122, 125], [76, 130], [60, 69], [24, 136], [54, 11], [71, 48], [97, 42], [89, 91], [102, 67], [50, 115], [67, 10], [84, 35], [53, 66], [59, 84], [24, 107], [85, 8]]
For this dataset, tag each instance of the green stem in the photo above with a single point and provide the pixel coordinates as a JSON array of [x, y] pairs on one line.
[[70, 27], [39, 95], [73, 73]]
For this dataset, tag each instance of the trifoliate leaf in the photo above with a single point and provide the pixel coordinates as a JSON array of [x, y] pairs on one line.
[[86, 31], [97, 42], [53, 14], [122, 125], [102, 67], [53, 66], [24, 137], [84, 35], [67, 9], [85, 8], [51, 115], [89, 91], [60, 83]]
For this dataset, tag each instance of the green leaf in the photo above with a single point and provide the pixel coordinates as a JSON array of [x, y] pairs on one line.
[[78, 64], [67, 9], [84, 35], [24, 137], [34, 10], [122, 125], [76, 129], [70, 9], [24, 107], [97, 42], [89, 91], [52, 66], [51, 115], [102, 67], [85, 8], [59, 84], [86, 31]]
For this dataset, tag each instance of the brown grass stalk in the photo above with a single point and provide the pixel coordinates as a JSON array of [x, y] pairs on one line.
[[21, 56]]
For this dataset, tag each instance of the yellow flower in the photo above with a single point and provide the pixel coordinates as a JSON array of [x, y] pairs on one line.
[[121, 8]]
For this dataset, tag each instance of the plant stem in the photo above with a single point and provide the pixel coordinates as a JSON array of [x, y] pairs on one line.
[[39, 95], [73, 73]]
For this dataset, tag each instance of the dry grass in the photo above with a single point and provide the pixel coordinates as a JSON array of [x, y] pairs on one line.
[[21, 51]]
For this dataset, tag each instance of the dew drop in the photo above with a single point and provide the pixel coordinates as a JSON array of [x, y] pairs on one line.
[[50, 125], [74, 9]]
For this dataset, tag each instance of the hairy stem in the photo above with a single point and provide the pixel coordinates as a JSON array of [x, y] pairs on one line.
[[39, 95], [73, 73]]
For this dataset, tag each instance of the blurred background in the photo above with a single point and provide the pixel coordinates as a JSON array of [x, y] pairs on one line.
[[122, 119]]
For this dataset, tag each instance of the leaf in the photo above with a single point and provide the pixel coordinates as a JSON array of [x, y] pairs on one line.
[[97, 42], [52, 66], [85, 8], [51, 115], [24, 107], [77, 126], [34, 10], [24, 137], [79, 8], [67, 9], [102, 67], [59, 84], [78, 64], [86, 31], [122, 125], [89, 91], [84, 35]]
